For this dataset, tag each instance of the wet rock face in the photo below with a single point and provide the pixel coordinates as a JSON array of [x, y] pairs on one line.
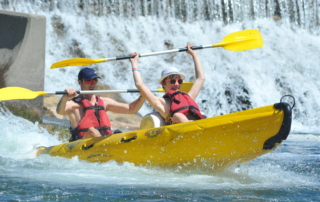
[[58, 26], [283, 86], [75, 49], [237, 97], [232, 97], [242, 100]]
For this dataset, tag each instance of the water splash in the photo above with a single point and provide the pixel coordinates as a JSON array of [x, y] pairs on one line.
[[234, 80], [20, 137]]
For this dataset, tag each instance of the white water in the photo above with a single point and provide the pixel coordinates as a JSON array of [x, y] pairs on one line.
[[272, 171], [286, 64]]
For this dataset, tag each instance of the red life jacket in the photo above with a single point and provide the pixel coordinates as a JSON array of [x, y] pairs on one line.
[[94, 116], [181, 102]]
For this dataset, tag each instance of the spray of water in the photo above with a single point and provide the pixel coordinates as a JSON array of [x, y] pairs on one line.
[[234, 80]]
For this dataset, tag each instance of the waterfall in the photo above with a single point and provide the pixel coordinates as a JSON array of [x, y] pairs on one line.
[[298, 13], [286, 64]]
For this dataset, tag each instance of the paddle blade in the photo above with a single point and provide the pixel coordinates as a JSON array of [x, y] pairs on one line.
[[186, 87], [76, 62], [242, 40], [17, 93]]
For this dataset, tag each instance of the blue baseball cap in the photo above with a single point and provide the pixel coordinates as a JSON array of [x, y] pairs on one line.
[[87, 73]]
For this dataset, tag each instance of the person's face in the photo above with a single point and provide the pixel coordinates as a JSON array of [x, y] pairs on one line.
[[172, 83], [89, 84]]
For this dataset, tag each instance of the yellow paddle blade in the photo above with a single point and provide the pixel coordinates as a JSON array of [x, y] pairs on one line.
[[76, 62], [17, 93], [242, 40], [186, 87], [160, 90]]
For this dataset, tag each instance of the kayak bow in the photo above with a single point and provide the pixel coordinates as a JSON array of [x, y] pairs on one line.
[[215, 142]]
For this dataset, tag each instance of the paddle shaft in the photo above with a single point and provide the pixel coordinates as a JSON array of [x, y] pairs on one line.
[[18, 93], [104, 91], [237, 41], [155, 53]]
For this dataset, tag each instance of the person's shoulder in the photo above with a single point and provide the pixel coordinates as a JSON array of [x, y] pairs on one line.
[[163, 100]]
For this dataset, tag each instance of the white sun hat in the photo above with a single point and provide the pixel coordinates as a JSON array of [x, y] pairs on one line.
[[170, 71]]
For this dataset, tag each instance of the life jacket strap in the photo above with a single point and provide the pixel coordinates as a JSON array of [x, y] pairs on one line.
[[96, 108], [177, 110], [192, 110], [175, 93]]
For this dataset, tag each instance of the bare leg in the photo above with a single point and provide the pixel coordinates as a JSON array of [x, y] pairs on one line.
[[92, 132], [179, 118]]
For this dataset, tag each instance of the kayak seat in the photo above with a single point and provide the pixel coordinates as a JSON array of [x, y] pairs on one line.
[[117, 131], [152, 120]]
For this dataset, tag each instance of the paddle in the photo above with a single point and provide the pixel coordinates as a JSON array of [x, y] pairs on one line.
[[18, 93], [237, 41]]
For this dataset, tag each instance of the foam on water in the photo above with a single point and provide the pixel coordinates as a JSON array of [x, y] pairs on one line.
[[21, 136], [274, 170], [261, 174], [234, 81]]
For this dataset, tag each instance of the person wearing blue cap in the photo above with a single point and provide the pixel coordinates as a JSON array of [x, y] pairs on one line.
[[87, 113], [174, 106]]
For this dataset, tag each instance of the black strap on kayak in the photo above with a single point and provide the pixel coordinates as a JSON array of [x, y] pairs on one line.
[[285, 126], [294, 101]]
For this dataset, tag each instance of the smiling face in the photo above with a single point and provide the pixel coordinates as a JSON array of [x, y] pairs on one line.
[[167, 85]]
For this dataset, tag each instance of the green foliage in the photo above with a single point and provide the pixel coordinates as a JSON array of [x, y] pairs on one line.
[[24, 113], [62, 131]]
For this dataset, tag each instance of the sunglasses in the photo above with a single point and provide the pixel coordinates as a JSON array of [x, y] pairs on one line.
[[173, 81], [95, 80]]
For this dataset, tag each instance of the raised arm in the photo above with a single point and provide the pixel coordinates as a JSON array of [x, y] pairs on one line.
[[156, 102], [197, 85]]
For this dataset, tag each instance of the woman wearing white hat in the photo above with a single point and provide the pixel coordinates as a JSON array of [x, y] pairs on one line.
[[175, 106]]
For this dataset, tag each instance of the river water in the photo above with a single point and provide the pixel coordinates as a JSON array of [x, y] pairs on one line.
[[286, 64]]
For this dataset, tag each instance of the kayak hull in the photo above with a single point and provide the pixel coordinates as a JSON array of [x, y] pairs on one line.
[[213, 142]]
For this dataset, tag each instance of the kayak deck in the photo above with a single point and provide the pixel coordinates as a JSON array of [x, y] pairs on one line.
[[216, 142]]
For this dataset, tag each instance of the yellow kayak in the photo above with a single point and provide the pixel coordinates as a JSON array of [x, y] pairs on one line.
[[212, 142]]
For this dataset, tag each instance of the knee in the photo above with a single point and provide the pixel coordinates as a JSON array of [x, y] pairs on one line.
[[92, 132], [178, 115], [179, 118]]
